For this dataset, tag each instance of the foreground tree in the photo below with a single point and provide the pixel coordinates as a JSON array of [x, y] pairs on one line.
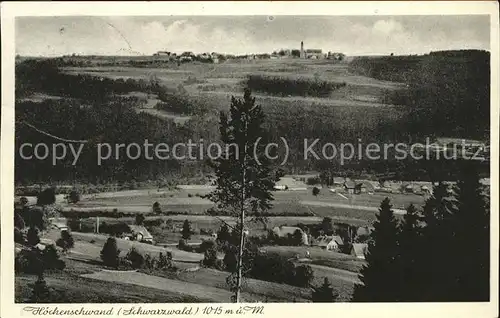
[[472, 233], [437, 282], [244, 177], [410, 252], [378, 276], [324, 293]]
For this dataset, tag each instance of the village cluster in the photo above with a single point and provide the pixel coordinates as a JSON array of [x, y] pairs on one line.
[[214, 57]]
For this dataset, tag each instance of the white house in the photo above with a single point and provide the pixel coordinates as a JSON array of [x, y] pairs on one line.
[[330, 243]]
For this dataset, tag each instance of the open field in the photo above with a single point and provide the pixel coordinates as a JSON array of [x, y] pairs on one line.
[[319, 256], [294, 206]]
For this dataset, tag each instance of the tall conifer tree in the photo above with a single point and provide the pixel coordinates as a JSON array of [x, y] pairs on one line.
[[379, 276], [244, 177]]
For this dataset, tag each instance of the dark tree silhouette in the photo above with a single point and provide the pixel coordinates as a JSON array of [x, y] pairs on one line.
[[410, 253], [139, 219], [378, 276], [41, 293], [186, 230], [324, 293]]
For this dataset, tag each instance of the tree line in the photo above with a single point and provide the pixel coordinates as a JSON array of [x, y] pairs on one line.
[[439, 253]]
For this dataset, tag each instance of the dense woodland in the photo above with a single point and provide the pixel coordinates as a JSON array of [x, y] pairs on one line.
[[447, 95]]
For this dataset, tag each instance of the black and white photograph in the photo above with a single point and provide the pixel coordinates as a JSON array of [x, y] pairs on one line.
[[259, 158]]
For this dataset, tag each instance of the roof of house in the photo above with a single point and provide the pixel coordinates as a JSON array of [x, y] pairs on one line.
[[349, 184], [325, 240], [338, 239], [140, 229], [314, 51], [359, 249], [365, 184]]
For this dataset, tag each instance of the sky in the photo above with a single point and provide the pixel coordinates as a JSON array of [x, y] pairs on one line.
[[351, 35]]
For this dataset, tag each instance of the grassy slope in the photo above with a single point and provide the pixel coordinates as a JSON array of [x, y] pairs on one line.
[[69, 288]]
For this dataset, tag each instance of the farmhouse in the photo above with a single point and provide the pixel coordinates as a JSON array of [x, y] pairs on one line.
[[284, 231], [138, 233], [364, 187], [358, 250], [330, 243], [349, 186]]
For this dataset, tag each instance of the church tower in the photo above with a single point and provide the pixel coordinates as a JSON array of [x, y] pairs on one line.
[[302, 53]]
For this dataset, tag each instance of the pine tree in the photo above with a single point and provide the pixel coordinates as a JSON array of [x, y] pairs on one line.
[[324, 293], [472, 239], [186, 230], [409, 255], [244, 178], [41, 293], [435, 262], [379, 275], [110, 253]]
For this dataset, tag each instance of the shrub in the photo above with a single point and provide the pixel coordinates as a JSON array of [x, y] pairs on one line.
[[51, 260], [32, 237], [156, 208], [28, 261], [139, 219], [294, 87], [210, 258], [18, 236], [190, 195], [186, 230], [303, 276], [35, 217], [18, 221], [23, 201], [313, 180], [223, 235], [46, 197], [74, 197], [183, 246], [136, 259], [164, 261], [315, 191], [66, 241], [40, 293], [230, 259], [206, 245], [110, 253]]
